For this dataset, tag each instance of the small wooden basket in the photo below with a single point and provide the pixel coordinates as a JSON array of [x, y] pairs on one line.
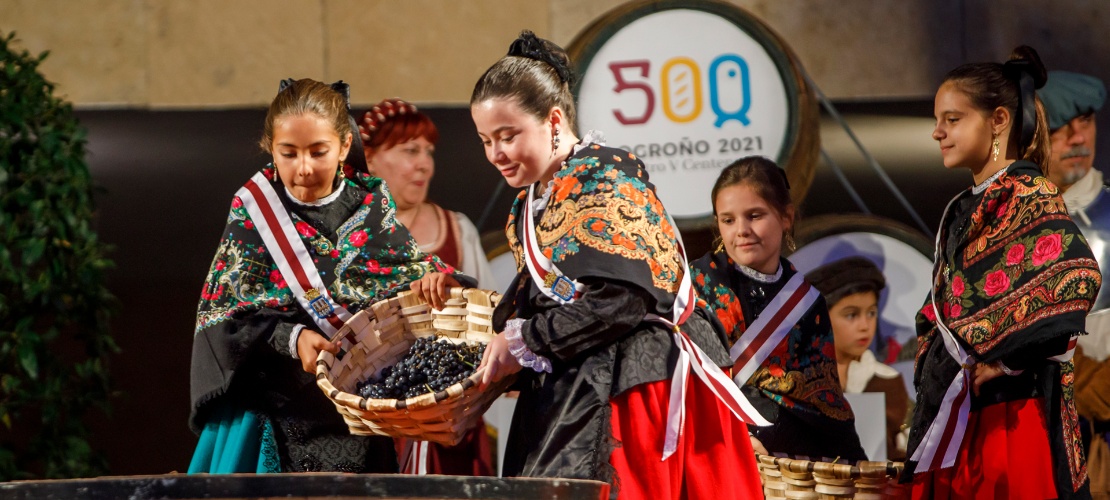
[[802, 479], [380, 336]]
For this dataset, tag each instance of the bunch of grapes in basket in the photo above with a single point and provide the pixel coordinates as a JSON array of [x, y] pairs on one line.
[[430, 366]]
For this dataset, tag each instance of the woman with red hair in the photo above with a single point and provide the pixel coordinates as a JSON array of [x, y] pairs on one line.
[[399, 142]]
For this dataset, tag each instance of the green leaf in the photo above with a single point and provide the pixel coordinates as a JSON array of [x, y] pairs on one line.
[[28, 359], [32, 251]]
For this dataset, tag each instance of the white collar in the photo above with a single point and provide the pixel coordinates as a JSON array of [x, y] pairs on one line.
[[861, 371], [982, 186], [320, 202], [760, 277]]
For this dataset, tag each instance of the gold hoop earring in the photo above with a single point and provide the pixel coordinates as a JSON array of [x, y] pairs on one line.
[[994, 148]]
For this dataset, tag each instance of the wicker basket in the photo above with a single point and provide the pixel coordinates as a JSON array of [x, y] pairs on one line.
[[380, 336], [802, 479]]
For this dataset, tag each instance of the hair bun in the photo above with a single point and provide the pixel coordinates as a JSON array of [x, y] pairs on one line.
[[1025, 59], [530, 46]]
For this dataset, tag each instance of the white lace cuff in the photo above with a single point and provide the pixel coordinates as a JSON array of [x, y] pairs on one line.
[[1005, 369], [520, 351], [296, 334]]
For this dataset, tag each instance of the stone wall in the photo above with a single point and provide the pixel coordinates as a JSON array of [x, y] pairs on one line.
[[213, 54]]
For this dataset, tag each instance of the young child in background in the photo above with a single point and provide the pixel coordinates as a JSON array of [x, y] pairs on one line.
[[851, 287]]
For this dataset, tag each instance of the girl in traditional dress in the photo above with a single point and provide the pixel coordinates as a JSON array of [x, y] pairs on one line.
[[399, 143], [851, 288], [610, 389], [309, 241], [1012, 284], [777, 325]]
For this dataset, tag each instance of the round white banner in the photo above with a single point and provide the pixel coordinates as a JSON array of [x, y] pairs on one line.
[[688, 92]]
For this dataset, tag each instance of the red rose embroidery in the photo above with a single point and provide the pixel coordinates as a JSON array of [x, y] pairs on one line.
[[368, 199], [1015, 254], [372, 265], [277, 279], [956, 310], [929, 312], [335, 253], [220, 265], [306, 230], [358, 238], [1047, 249], [248, 224], [1002, 209], [958, 286], [996, 283], [236, 203], [776, 371]]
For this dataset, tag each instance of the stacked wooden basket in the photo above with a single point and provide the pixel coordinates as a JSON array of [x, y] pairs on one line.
[[380, 336], [802, 479]]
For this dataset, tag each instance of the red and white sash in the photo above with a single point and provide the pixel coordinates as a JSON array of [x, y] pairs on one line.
[[941, 443], [558, 287], [290, 254], [767, 332]]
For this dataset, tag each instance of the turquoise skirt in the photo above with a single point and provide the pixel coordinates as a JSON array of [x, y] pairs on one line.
[[235, 440]]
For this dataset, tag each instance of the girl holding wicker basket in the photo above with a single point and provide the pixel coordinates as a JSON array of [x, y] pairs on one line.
[[310, 239], [620, 377]]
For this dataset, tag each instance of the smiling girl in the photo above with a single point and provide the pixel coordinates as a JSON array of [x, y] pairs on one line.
[[1012, 284], [611, 389], [777, 324]]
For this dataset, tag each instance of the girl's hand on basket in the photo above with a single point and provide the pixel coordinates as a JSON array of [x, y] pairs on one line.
[[497, 361], [433, 288], [309, 345]]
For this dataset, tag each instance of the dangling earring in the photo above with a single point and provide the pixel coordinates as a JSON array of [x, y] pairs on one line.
[[555, 141], [720, 245], [994, 148], [790, 245]]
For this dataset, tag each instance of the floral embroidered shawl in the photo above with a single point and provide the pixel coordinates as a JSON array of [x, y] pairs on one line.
[[1019, 276], [799, 379], [603, 220], [244, 295]]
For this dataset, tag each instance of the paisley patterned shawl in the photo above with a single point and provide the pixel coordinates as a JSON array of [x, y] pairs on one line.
[[603, 220], [800, 374], [373, 258], [1020, 275]]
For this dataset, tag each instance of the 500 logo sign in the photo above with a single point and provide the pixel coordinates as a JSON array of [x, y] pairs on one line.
[[686, 88], [688, 91]]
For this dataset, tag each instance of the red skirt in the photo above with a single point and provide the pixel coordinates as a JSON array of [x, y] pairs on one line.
[[1005, 454], [714, 458]]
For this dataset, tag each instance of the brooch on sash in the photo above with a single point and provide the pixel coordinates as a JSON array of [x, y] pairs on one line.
[[559, 285], [319, 303]]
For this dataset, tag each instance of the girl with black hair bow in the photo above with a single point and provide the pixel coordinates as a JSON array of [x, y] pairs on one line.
[[1012, 283], [310, 240]]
